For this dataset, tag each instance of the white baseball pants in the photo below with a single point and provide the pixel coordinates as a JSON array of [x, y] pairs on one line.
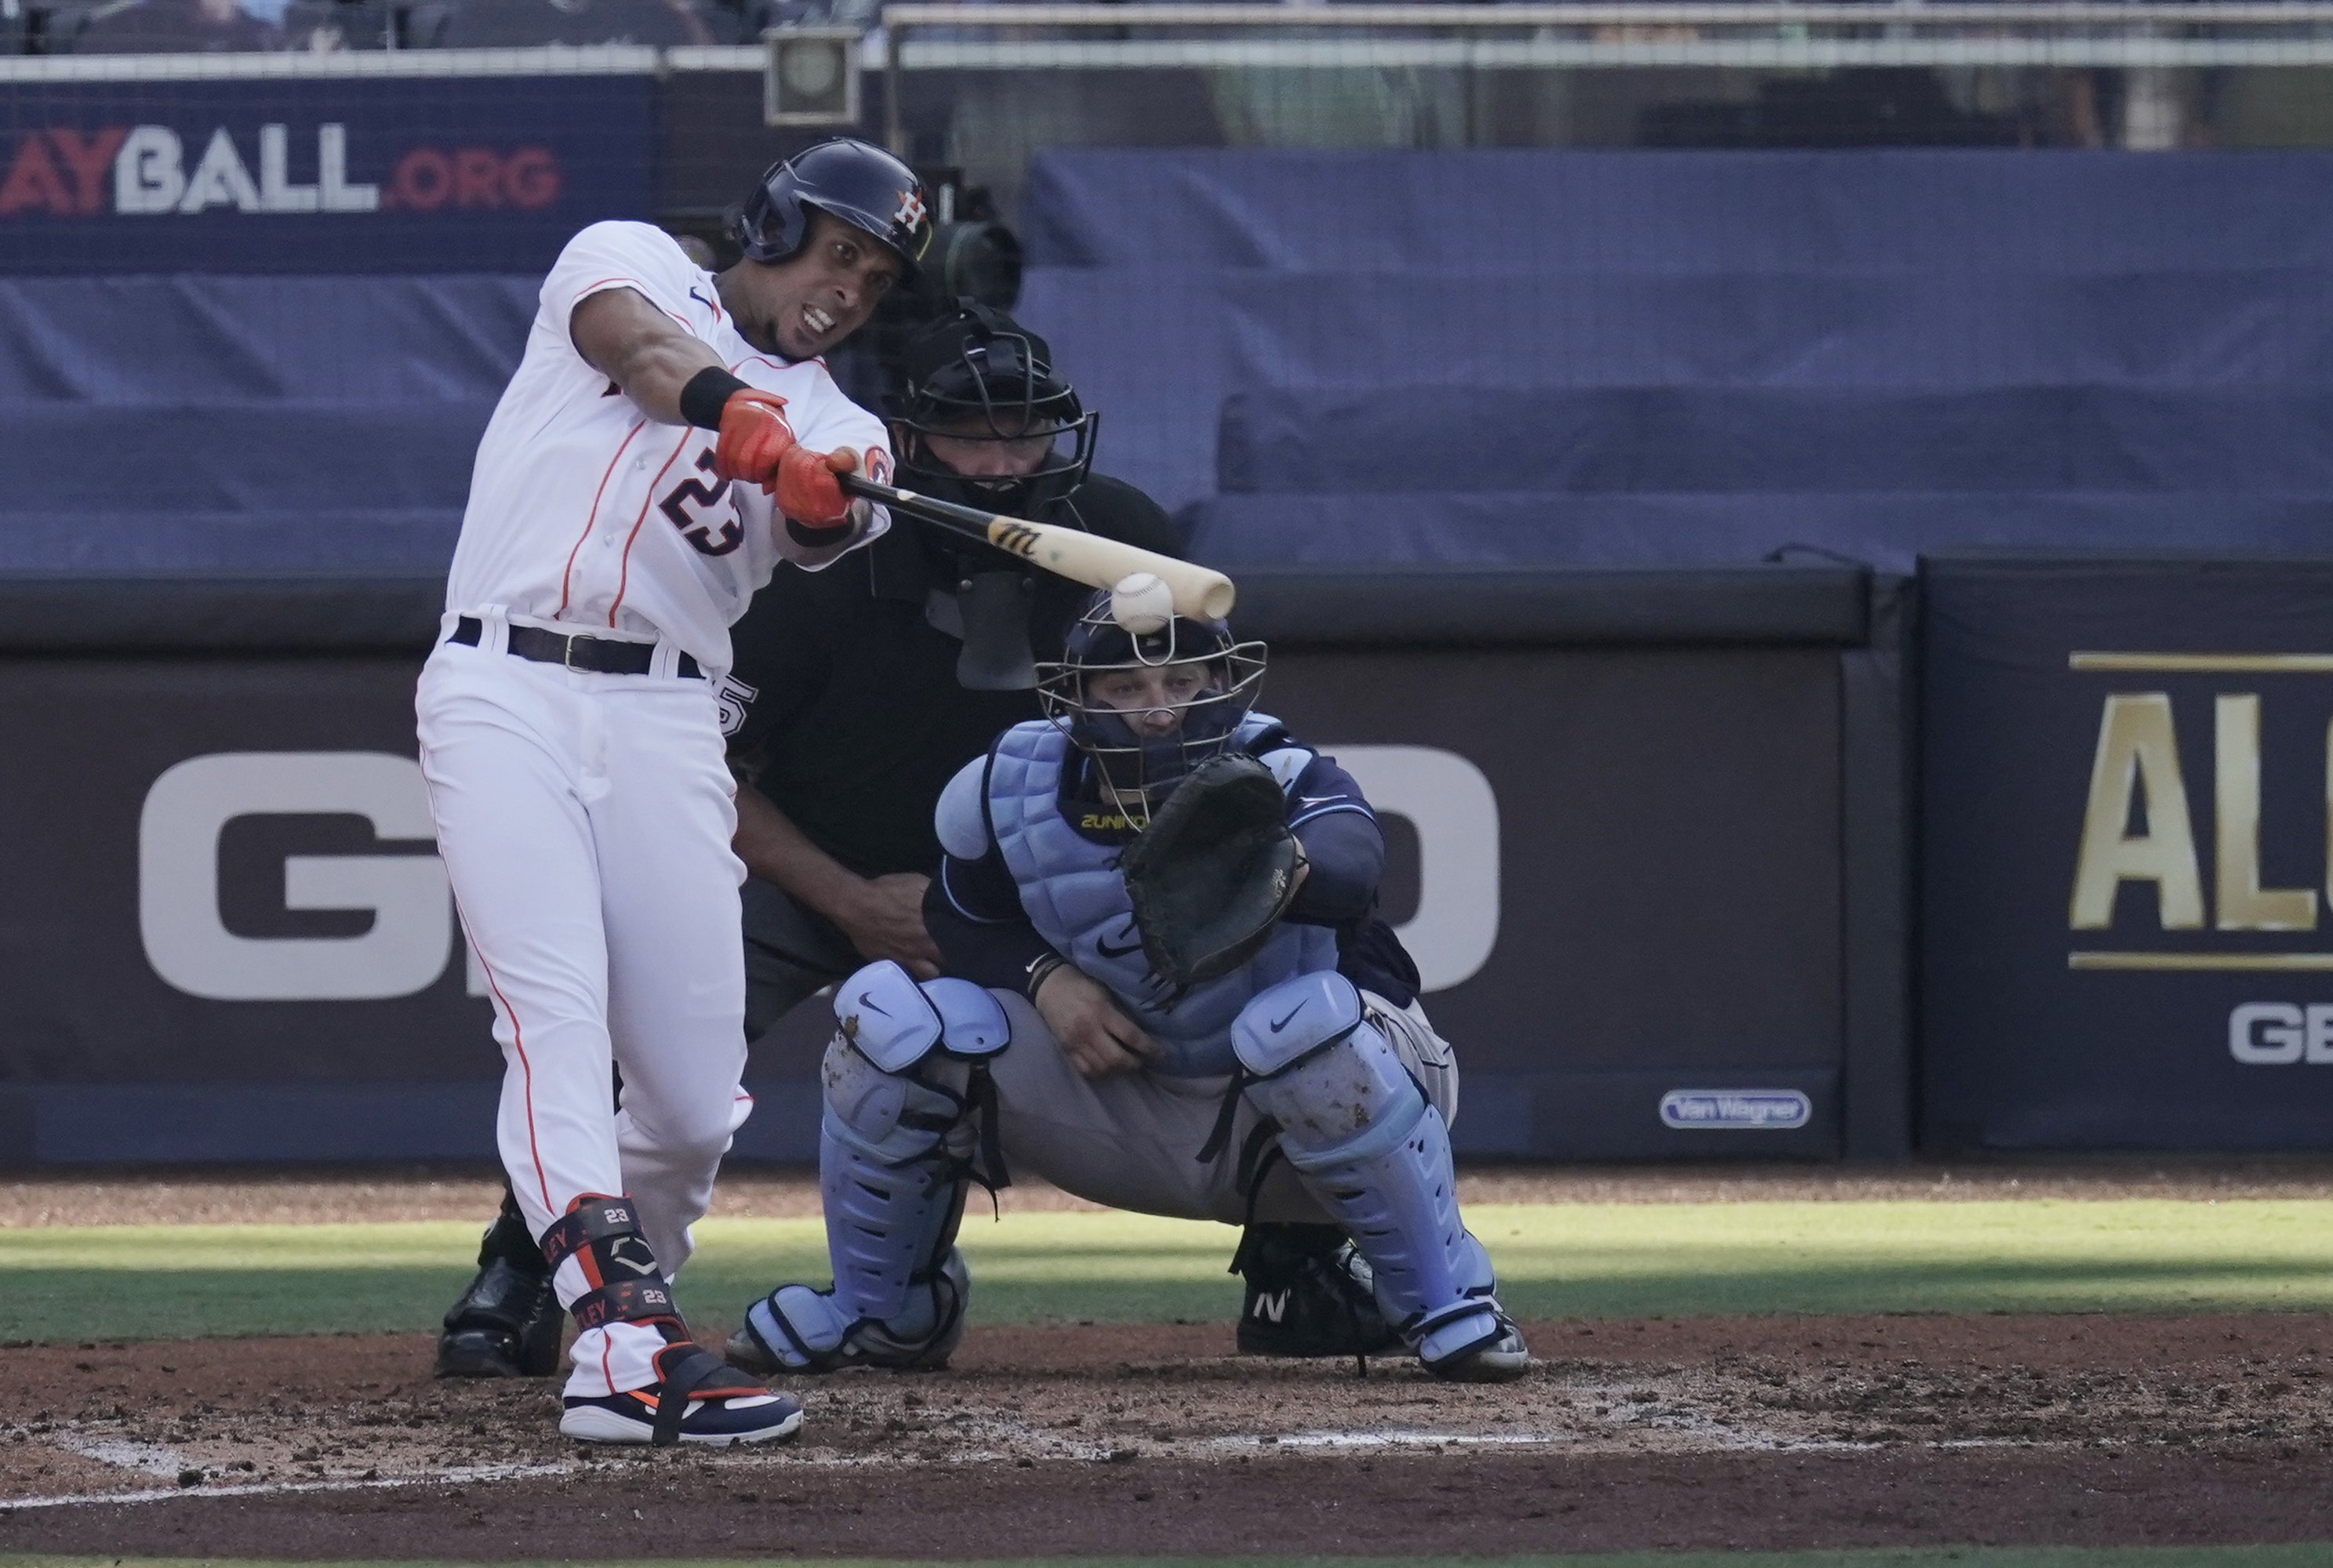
[[585, 822]]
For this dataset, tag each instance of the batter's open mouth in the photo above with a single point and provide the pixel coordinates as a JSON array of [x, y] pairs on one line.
[[817, 320]]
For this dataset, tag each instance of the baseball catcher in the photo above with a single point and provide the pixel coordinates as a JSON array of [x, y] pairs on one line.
[[1168, 989]]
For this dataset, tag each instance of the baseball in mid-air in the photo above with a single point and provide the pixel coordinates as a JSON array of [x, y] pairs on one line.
[[1141, 603]]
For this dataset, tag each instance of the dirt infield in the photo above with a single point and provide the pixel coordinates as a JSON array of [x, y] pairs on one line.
[[1742, 1433]]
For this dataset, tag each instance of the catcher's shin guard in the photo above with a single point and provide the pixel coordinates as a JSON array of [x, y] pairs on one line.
[[1369, 1144], [906, 1091]]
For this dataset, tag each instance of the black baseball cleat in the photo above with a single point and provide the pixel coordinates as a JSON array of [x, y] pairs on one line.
[[695, 1399], [508, 1323], [1309, 1294]]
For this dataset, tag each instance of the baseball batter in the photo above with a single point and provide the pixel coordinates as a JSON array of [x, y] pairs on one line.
[[669, 436], [1168, 992]]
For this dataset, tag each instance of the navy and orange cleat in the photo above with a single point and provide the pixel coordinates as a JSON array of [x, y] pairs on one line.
[[695, 1399]]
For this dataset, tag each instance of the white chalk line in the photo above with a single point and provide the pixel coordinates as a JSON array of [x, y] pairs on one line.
[[149, 1458], [1402, 1440]]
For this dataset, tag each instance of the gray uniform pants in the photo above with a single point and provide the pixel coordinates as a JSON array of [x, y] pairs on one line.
[[1131, 1140]]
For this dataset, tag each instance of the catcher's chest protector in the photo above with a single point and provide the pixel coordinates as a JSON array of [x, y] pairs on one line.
[[1076, 899]]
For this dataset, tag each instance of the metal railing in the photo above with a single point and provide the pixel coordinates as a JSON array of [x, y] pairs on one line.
[[1755, 34], [1596, 35]]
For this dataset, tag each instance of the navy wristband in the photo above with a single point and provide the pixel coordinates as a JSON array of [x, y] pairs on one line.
[[706, 394]]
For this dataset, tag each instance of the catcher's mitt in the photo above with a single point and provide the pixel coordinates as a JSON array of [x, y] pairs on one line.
[[1213, 872]]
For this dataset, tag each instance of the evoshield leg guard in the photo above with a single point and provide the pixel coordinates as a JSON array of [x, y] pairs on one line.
[[1368, 1143], [905, 1077]]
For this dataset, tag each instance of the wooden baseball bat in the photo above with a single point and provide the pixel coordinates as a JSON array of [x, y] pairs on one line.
[[1073, 553]]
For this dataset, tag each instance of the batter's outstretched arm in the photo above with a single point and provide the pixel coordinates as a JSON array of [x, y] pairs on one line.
[[641, 349]]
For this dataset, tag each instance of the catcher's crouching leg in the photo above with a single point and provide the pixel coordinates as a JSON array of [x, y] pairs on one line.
[[905, 1077], [1372, 1149]]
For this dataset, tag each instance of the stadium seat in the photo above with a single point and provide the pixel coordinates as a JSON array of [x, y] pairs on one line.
[[173, 27], [520, 24]]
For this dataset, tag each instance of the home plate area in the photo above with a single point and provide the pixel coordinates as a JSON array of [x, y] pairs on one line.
[[1829, 1430]]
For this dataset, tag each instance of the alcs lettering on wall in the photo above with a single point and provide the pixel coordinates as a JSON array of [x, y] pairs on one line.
[[2138, 826], [151, 170], [413, 935]]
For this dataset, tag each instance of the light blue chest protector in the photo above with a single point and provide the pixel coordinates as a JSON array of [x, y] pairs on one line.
[[1073, 894]]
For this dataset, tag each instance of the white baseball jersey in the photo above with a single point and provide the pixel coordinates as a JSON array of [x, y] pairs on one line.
[[585, 512]]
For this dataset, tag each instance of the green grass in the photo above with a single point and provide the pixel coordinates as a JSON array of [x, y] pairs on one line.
[[2305, 1555], [1566, 1260]]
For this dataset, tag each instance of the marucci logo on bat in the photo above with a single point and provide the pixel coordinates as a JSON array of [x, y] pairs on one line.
[[1019, 538]]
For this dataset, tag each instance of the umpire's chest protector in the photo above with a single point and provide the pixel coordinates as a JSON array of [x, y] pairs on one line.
[[1071, 887]]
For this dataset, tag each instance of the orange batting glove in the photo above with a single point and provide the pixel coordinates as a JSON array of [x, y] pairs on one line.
[[754, 438], [805, 487]]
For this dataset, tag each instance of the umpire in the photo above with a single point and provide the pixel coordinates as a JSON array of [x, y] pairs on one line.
[[855, 695]]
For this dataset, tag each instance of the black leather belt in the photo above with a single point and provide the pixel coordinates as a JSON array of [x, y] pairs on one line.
[[600, 655]]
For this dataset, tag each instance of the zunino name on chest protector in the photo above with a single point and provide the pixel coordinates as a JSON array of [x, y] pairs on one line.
[[1073, 894]]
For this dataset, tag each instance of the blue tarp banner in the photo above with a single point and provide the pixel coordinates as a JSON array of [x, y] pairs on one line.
[[200, 422], [1941, 210], [1538, 350], [370, 174]]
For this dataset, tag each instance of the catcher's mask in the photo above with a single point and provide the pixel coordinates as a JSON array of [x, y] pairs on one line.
[[979, 381], [1141, 755]]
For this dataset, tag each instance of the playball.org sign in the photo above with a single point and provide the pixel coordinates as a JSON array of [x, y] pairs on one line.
[[144, 170], [377, 175]]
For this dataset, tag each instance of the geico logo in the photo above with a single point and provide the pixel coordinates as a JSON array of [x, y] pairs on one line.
[[2278, 1034], [1444, 797], [1447, 799], [2135, 776], [187, 943]]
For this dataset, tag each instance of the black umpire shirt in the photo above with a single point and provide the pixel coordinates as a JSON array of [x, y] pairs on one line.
[[853, 721]]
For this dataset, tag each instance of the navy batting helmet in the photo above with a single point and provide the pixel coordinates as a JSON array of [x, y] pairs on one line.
[[862, 185]]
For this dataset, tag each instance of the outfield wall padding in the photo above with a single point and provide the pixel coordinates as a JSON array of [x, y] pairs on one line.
[[1679, 796]]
